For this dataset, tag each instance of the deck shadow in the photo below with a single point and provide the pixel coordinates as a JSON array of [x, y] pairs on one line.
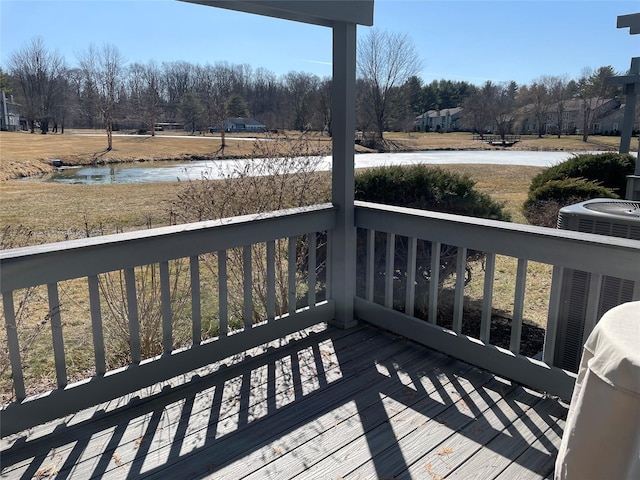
[[358, 402]]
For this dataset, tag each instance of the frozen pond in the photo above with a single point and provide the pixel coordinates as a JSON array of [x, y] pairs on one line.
[[173, 171]]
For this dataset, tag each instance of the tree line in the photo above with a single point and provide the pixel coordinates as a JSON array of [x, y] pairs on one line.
[[102, 90]]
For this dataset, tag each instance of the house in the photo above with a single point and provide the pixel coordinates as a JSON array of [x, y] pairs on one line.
[[441, 120], [241, 125], [162, 126], [610, 123], [573, 112], [9, 113]]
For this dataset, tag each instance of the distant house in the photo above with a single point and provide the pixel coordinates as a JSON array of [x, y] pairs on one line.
[[441, 120], [239, 124], [610, 123], [161, 126], [573, 112], [9, 114]]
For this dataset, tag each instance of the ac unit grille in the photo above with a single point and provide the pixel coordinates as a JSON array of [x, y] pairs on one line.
[[617, 218], [621, 208]]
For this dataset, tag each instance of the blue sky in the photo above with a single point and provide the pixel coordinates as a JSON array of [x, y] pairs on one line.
[[457, 40]]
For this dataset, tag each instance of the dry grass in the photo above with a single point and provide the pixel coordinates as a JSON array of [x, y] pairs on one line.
[[508, 184], [57, 212], [464, 141]]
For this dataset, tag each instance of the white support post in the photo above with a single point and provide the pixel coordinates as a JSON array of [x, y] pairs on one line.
[[343, 249]]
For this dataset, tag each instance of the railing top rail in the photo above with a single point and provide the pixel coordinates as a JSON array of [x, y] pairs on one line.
[[583, 251], [53, 262]]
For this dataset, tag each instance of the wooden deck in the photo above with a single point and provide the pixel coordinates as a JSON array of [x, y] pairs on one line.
[[326, 403]]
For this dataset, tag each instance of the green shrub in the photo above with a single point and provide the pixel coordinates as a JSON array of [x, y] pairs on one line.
[[570, 188], [426, 188], [545, 202], [608, 169]]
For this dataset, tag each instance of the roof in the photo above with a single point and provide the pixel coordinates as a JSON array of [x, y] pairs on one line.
[[440, 113], [325, 13]]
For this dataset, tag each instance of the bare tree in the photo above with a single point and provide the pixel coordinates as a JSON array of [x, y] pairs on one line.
[[265, 98], [226, 81], [177, 80], [222, 85], [191, 110], [477, 108], [103, 71], [39, 75], [145, 89], [492, 107], [505, 107], [385, 61], [302, 87], [538, 99], [203, 85], [324, 105], [593, 91], [559, 93]]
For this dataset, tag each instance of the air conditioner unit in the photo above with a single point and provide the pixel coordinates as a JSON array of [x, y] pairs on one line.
[[603, 216]]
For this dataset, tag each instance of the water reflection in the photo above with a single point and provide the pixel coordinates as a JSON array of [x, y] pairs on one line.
[[136, 173]]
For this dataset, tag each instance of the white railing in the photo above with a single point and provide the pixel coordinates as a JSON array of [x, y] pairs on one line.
[[559, 249], [270, 304], [274, 277]]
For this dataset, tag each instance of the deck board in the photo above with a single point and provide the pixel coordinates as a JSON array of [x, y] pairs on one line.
[[328, 403]]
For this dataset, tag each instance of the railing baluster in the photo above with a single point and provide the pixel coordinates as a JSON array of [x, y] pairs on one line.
[[518, 306], [593, 301], [291, 276], [549, 350], [14, 346], [389, 270], [434, 281], [271, 280], [165, 302], [458, 302], [410, 298], [196, 306], [369, 270], [248, 287], [56, 334], [311, 263], [223, 300], [96, 325], [134, 323], [487, 299], [329, 265]]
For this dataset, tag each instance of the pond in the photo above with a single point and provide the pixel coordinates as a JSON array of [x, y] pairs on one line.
[[195, 170]]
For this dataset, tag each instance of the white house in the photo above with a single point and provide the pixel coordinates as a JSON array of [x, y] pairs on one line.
[[441, 120]]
